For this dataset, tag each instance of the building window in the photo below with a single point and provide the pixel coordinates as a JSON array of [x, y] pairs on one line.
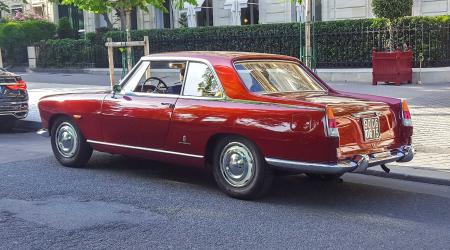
[[15, 9], [75, 15], [250, 14], [134, 19], [205, 15], [38, 10], [168, 16]]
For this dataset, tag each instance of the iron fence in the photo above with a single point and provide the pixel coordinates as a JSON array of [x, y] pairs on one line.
[[342, 48]]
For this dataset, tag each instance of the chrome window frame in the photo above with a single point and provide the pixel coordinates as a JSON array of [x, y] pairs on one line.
[[202, 97], [124, 81]]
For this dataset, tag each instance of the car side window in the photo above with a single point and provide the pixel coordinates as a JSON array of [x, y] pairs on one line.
[[157, 77], [201, 81], [134, 79]]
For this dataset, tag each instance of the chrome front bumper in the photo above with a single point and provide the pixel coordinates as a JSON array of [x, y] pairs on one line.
[[359, 163], [43, 132]]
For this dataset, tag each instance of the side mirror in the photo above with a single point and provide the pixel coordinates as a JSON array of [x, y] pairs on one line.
[[117, 88]]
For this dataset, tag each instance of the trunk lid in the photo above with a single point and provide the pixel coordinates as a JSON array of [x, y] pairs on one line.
[[350, 113]]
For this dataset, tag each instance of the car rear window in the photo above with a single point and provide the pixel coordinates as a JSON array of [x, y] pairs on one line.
[[276, 76]]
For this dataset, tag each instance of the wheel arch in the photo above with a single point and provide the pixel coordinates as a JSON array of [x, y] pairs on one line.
[[52, 120], [214, 139]]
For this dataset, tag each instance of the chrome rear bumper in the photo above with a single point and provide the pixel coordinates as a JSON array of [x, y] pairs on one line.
[[359, 163], [17, 114], [17, 109]]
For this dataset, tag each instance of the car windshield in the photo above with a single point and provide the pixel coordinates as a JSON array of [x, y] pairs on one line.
[[265, 77]]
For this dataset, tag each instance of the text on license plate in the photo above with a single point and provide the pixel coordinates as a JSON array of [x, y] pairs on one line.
[[371, 128]]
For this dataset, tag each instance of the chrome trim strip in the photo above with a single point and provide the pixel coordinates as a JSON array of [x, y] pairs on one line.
[[14, 103], [144, 149], [274, 104], [308, 167], [358, 115], [142, 94], [15, 113]]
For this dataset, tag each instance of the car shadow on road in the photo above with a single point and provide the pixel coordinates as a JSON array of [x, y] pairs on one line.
[[297, 191]]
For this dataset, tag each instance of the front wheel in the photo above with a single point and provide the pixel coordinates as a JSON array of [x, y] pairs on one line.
[[69, 145], [240, 170]]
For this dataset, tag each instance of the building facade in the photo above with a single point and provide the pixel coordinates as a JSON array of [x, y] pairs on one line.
[[355, 9], [219, 13]]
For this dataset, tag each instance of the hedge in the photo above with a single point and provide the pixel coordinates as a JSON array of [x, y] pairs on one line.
[[346, 43], [15, 36], [65, 53]]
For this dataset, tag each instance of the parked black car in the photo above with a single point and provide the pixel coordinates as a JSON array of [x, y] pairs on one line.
[[13, 99]]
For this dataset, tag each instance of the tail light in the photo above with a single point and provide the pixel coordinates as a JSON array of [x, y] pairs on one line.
[[406, 115], [20, 85], [332, 130]]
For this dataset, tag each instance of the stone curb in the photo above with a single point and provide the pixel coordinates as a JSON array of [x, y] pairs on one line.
[[99, 71], [413, 174]]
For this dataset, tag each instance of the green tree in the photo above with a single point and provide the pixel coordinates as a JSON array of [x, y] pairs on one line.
[[392, 9], [65, 29], [122, 7]]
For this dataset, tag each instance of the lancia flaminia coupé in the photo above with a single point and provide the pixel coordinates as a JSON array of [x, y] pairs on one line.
[[245, 116]]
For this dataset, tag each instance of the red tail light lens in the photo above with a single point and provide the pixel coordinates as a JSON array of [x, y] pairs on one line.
[[332, 129], [406, 115], [20, 85]]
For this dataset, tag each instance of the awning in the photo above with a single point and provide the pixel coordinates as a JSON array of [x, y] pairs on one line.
[[235, 7], [198, 5], [191, 12]]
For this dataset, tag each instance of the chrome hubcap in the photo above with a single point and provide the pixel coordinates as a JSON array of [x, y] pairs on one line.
[[66, 140], [237, 164]]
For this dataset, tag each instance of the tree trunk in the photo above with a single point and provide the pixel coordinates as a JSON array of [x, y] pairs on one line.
[[122, 19], [128, 30], [108, 21], [308, 48]]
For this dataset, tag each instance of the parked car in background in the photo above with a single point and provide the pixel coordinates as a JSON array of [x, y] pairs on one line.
[[13, 99], [244, 115]]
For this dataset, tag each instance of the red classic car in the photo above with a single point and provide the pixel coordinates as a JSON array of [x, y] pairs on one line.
[[245, 116]]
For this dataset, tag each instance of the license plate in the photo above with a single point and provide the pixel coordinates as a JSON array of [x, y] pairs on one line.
[[371, 128]]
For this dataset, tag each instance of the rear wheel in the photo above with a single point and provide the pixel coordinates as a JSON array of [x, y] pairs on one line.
[[239, 169], [7, 123], [69, 145], [325, 177]]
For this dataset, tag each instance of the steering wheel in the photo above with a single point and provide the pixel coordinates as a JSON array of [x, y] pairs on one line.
[[160, 87]]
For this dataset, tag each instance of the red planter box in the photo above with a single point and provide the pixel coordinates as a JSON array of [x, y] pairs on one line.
[[392, 67]]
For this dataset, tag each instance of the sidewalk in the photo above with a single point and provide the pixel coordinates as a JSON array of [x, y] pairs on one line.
[[430, 107]]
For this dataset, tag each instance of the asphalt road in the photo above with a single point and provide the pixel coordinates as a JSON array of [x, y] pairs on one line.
[[68, 79], [122, 203]]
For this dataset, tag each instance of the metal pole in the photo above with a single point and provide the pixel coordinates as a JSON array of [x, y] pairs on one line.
[[129, 50], [308, 19], [111, 62], [1, 59]]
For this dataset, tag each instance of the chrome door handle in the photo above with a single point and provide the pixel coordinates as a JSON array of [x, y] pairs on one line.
[[171, 105]]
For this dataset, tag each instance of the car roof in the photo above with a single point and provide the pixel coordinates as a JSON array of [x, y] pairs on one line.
[[219, 55]]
